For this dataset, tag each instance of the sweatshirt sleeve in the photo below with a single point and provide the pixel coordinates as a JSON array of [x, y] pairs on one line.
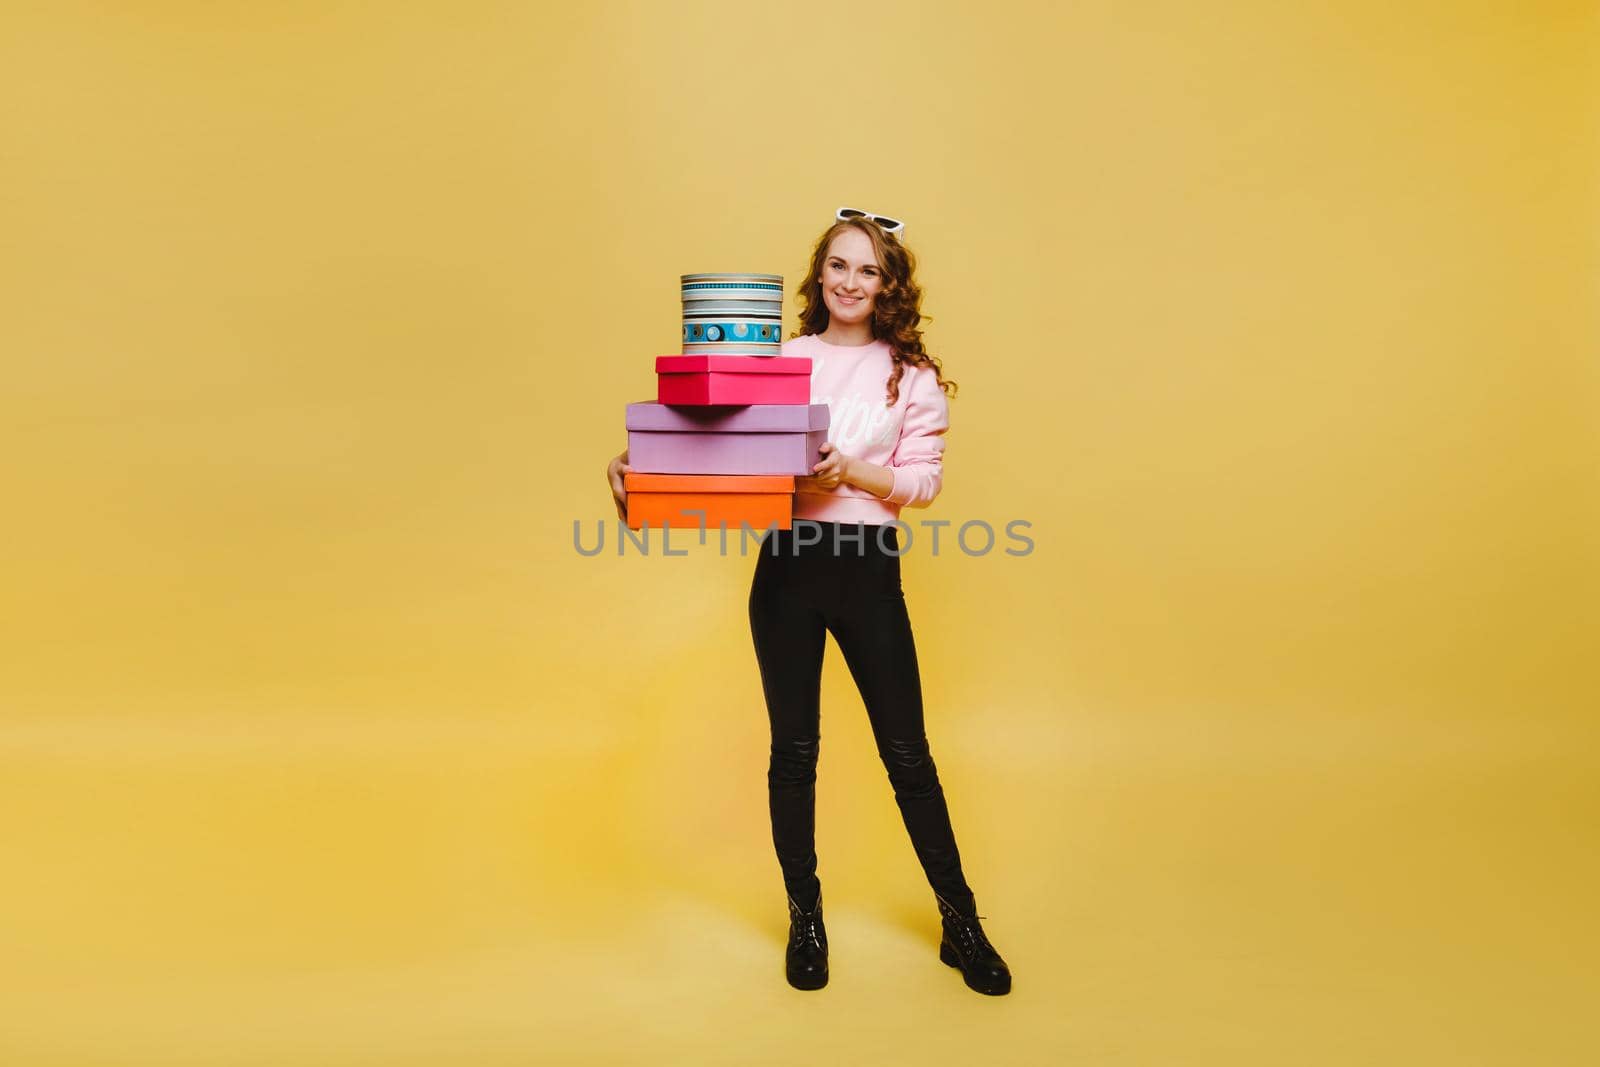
[[918, 460]]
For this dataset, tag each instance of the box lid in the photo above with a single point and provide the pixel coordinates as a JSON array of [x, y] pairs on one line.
[[766, 279], [733, 364], [708, 483], [727, 418]]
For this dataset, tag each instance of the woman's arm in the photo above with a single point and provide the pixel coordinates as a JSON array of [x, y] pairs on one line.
[[915, 472], [916, 469], [879, 481]]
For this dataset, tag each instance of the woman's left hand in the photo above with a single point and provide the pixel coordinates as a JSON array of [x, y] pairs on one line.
[[831, 471]]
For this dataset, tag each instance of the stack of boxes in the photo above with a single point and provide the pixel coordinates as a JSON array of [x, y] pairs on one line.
[[732, 423]]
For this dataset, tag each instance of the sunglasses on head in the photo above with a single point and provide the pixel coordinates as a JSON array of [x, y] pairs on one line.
[[894, 226]]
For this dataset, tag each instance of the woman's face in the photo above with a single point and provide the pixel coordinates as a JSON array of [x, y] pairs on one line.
[[851, 277]]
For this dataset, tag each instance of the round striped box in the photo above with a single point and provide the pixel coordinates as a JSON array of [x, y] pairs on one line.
[[732, 314]]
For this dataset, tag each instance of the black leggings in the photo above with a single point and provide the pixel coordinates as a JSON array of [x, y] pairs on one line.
[[801, 591]]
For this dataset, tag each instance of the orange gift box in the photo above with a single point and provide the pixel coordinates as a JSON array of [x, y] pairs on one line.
[[761, 500]]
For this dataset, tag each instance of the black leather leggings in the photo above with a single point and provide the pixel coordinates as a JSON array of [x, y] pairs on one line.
[[801, 592]]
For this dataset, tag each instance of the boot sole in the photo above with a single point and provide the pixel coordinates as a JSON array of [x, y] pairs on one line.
[[947, 954]]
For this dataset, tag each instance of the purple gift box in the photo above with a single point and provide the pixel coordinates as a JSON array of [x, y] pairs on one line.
[[726, 439]]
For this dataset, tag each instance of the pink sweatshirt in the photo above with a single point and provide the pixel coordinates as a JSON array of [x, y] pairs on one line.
[[907, 438]]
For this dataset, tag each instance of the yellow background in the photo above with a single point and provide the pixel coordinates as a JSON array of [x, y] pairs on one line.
[[321, 745]]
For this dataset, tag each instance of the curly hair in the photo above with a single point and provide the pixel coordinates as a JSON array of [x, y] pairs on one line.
[[896, 311]]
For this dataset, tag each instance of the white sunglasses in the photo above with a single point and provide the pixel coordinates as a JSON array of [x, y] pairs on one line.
[[894, 226]]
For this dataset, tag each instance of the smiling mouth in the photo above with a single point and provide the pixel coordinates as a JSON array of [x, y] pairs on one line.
[[847, 299]]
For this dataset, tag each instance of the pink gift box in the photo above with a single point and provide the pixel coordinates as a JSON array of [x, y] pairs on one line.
[[733, 379], [720, 439]]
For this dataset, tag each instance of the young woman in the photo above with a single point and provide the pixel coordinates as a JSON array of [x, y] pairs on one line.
[[838, 570]]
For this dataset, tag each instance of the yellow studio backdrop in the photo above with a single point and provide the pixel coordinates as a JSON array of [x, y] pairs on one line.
[[321, 744]]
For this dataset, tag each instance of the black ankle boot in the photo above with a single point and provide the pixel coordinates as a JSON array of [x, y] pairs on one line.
[[964, 946], [806, 961]]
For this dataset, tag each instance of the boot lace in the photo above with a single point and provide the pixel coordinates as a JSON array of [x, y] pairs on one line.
[[803, 930], [967, 930], [805, 927], [971, 934]]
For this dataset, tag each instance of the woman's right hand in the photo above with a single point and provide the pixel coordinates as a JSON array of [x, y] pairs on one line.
[[614, 472]]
